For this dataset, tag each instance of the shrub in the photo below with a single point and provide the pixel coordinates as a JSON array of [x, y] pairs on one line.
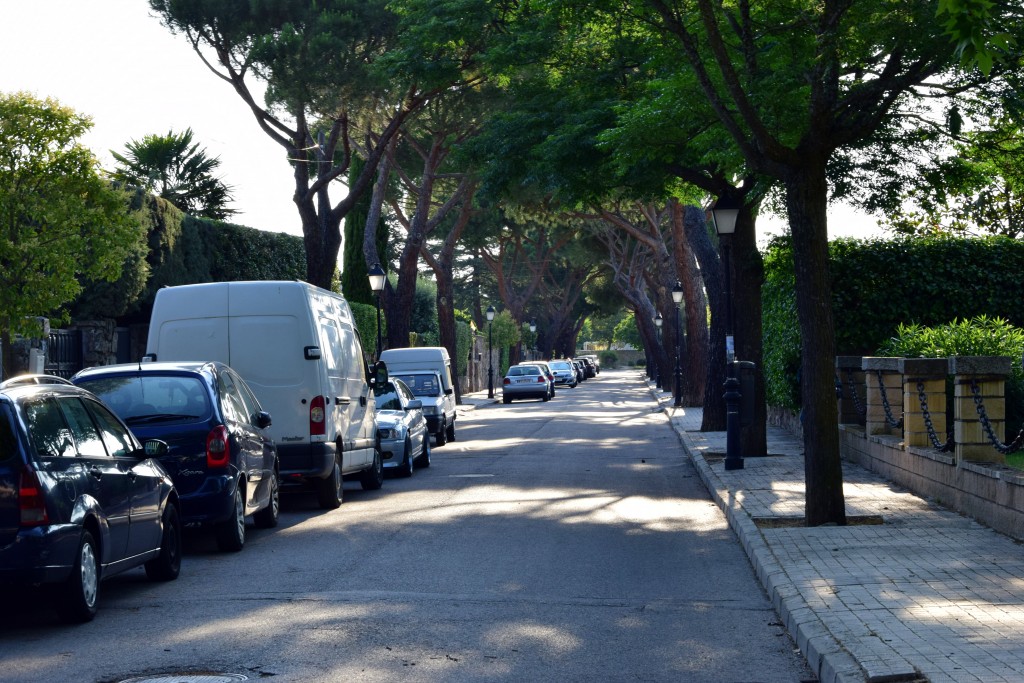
[[609, 359], [981, 336]]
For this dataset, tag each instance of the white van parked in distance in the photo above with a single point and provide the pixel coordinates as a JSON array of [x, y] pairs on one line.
[[297, 347], [428, 372]]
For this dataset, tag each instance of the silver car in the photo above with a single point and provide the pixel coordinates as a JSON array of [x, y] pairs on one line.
[[564, 372], [525, 381], [402, 429]]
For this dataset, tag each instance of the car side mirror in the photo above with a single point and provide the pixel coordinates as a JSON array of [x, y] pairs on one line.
[[415, 404], [263, 419], [154, 448], [449, 392]]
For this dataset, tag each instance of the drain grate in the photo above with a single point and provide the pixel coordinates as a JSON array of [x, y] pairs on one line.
[[190, 677]]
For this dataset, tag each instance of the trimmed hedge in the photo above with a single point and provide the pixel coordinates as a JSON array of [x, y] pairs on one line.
[[182, 249], [878, 285]]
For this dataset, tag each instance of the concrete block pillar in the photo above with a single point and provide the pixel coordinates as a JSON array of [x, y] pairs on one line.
[[882, 373], [988, 374], [852, 401], [931, 374]]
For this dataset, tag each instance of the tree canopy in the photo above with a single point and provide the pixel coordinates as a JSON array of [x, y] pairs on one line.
[[61, 219]]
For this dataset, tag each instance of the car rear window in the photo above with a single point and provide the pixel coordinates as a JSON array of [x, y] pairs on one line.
[[135, 399], [518, 371]]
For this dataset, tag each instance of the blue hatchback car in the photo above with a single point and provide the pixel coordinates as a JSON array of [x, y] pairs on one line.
[[219, 454], [80, 498]]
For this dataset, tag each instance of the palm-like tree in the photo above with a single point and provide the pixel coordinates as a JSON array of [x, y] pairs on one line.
[[175, 168]]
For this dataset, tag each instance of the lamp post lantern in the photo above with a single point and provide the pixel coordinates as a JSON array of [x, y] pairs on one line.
[[724, 212], [490, 354], [377, 279], [677, 297], [533, 330], [658, 322]]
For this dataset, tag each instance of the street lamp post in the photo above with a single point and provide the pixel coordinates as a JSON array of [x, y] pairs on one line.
[[724, 213], [490, 353], [533, 340], [677, 297], [377, 278], [658, 322]]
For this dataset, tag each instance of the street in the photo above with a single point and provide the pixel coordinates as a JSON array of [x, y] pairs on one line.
[[568, 540]]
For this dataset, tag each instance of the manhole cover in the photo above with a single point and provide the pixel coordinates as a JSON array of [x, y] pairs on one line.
[[188, 678]]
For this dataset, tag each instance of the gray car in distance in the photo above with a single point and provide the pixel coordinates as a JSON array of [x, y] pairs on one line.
[[525, 381]]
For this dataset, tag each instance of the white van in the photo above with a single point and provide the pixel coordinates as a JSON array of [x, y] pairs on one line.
[[428, 372], [296, 346]]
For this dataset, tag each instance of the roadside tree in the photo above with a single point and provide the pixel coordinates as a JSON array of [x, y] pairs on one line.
[[61, 219]]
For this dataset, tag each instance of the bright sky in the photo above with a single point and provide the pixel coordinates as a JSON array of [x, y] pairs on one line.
[[111, 60]]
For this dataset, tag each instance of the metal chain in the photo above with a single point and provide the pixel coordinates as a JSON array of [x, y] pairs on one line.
[[1004, 448], [944, 447], [861, 409], [893, 422]]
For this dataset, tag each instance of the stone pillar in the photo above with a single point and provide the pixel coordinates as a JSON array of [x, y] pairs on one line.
[[931, 373], [989, 373], [852, 399], [876, 422]]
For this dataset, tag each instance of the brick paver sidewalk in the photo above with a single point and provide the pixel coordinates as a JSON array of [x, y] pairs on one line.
[[908, 591]]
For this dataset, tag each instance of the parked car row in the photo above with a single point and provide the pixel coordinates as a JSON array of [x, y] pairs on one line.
[[538, 379], [246, 387]]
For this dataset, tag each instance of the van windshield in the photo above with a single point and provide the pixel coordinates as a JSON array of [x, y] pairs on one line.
[[422, 385]]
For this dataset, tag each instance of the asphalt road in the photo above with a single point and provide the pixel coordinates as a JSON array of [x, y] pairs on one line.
[[559, 541]]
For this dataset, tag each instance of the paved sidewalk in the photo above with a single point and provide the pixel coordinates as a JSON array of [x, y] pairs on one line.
[[908, 591]]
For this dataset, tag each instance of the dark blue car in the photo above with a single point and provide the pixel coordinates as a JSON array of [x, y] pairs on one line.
[[223, 462], [80, 498]]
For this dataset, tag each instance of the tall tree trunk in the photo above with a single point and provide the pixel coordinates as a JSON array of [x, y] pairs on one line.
[[697, 349], [713, 418], [806, 202]]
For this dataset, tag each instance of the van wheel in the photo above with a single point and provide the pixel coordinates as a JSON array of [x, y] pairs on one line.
[[231, 532], [78, 597], [451, 431], [442, 433], [373, 478], [329, 491]]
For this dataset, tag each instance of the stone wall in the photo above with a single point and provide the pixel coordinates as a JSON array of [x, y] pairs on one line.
[[991, 493]]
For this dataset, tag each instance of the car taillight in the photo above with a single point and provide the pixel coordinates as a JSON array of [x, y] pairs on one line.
[[542, 378], [506, 381], [317, 423], [218, 450], [31, 502]]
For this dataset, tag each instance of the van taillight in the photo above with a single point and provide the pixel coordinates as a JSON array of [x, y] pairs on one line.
[[218, 450], [31, 502], [317, 423]]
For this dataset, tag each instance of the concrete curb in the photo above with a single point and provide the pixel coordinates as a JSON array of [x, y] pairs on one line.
[[823, 652]]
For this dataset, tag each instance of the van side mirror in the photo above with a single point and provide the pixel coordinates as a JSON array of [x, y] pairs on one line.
[[449, 392], [379, 376]]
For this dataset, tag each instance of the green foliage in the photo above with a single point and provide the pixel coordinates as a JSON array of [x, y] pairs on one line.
[[61, 220], [424, 313], [609, 359], [175, 168], [366, 323], [880, 284], [626, 332], [181, 249], [980, 336], [463, 346]]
